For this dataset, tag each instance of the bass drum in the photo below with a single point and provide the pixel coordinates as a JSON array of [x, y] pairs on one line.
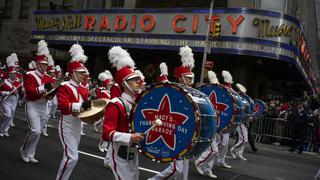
[[188, 122], [260, 108], [228, 105]]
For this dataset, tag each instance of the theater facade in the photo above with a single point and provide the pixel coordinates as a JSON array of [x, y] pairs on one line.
[[264, 50]]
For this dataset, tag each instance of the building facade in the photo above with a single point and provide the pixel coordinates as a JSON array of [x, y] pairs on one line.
[[268, 45]]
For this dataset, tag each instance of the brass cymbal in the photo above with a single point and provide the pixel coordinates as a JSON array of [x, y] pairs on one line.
[[95, 113]]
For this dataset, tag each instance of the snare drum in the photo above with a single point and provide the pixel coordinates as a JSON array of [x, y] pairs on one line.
[[188, 122], [228, 105]]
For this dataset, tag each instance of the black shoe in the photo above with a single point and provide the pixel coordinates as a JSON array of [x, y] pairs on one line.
[[254, 150], [291, 150]]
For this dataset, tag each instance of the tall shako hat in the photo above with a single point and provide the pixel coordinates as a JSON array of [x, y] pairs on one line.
[[163, 73], [106, 78], [187, 63], [227, 78], [213, 77], [15, 59], [121, 59], [77, 59], [138, 72], [241, 88], [11, 64], [43, 52], [32, 65], [51, 67]]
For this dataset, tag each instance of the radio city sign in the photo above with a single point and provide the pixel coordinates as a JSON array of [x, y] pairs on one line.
[[164, 23]]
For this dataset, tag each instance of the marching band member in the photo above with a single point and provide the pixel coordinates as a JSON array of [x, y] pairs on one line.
[[72, 98], [32, 66], [223, 141], [238, 148], [142, 82], [57, 77], [9, 91], [36, 83], [51, 73], [103, 91], [163, 78], [179, 169], [205, 162], [116, 125]]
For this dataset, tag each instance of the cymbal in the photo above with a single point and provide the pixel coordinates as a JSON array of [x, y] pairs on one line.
[[95, 113]]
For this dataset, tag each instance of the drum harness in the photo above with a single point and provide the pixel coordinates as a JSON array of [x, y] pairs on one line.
[[126, 152]]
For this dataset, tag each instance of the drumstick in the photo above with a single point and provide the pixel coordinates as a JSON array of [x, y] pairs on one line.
[[157, 122]]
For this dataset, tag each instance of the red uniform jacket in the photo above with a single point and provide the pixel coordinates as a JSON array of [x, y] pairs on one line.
[[116, 124], [9, 85], [69, 94], [115, 91], [102, 92], [33, 84]]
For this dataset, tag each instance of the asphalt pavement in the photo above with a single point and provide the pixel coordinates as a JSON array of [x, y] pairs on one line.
[[270, 162]]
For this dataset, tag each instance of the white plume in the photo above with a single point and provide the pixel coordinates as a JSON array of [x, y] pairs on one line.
[[10, 61], [87, 71], [213, 77], [241, 88], [139, 73], [58, 68], [109, 74], [67, 74], [32, 65], [103, 76], [187, 57], [43, 48], [120, 58], [227, 77], [77, 53], [50, 60], [14, 57], [163, 69]]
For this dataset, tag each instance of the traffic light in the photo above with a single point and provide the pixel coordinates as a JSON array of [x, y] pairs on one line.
[[216, 29]]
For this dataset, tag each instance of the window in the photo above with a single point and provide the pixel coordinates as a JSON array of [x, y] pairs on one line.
[[8, 9], [24, 9], [68, 4], [95, 4], [117, 3], [43, 4], [274, 5]]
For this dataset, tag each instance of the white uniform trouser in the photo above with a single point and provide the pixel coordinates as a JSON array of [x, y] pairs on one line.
[[36, 112], [242, 139], [123, 169], [177, 170], [9, 106], [206, 159], [106, 161], [223, 141], [49, 104], [54, 106], [69, 132]]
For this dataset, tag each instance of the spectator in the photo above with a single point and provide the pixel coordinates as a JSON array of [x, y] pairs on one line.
[[299, 118]]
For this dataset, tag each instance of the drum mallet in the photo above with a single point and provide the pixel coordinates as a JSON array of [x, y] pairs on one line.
[[157, 122]]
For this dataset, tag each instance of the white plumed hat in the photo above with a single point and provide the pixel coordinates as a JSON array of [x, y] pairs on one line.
[[241, 88], [213, 77], [227, 78]]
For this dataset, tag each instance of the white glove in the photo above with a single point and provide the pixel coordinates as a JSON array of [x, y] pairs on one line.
[[5, 93], [41, 89]]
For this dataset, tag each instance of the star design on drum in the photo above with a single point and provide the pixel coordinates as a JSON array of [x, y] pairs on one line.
[[218, 106], [171, 120]]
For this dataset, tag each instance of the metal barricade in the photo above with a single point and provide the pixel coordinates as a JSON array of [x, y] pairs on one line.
[[276, 128]]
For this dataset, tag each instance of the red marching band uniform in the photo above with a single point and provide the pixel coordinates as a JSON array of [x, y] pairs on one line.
[[123, 155], [36, 83], [71, 99], [9, 99]]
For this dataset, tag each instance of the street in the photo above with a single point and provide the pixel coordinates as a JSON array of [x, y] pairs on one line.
[[270, 162]]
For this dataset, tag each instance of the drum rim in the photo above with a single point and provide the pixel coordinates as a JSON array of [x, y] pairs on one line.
[[196, 115], [230, 126]]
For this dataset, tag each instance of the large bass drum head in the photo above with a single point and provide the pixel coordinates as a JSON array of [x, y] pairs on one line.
[[175, 107]]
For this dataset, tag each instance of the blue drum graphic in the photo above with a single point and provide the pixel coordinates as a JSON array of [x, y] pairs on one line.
[[188, 122], [260, 108], [228, 105]]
